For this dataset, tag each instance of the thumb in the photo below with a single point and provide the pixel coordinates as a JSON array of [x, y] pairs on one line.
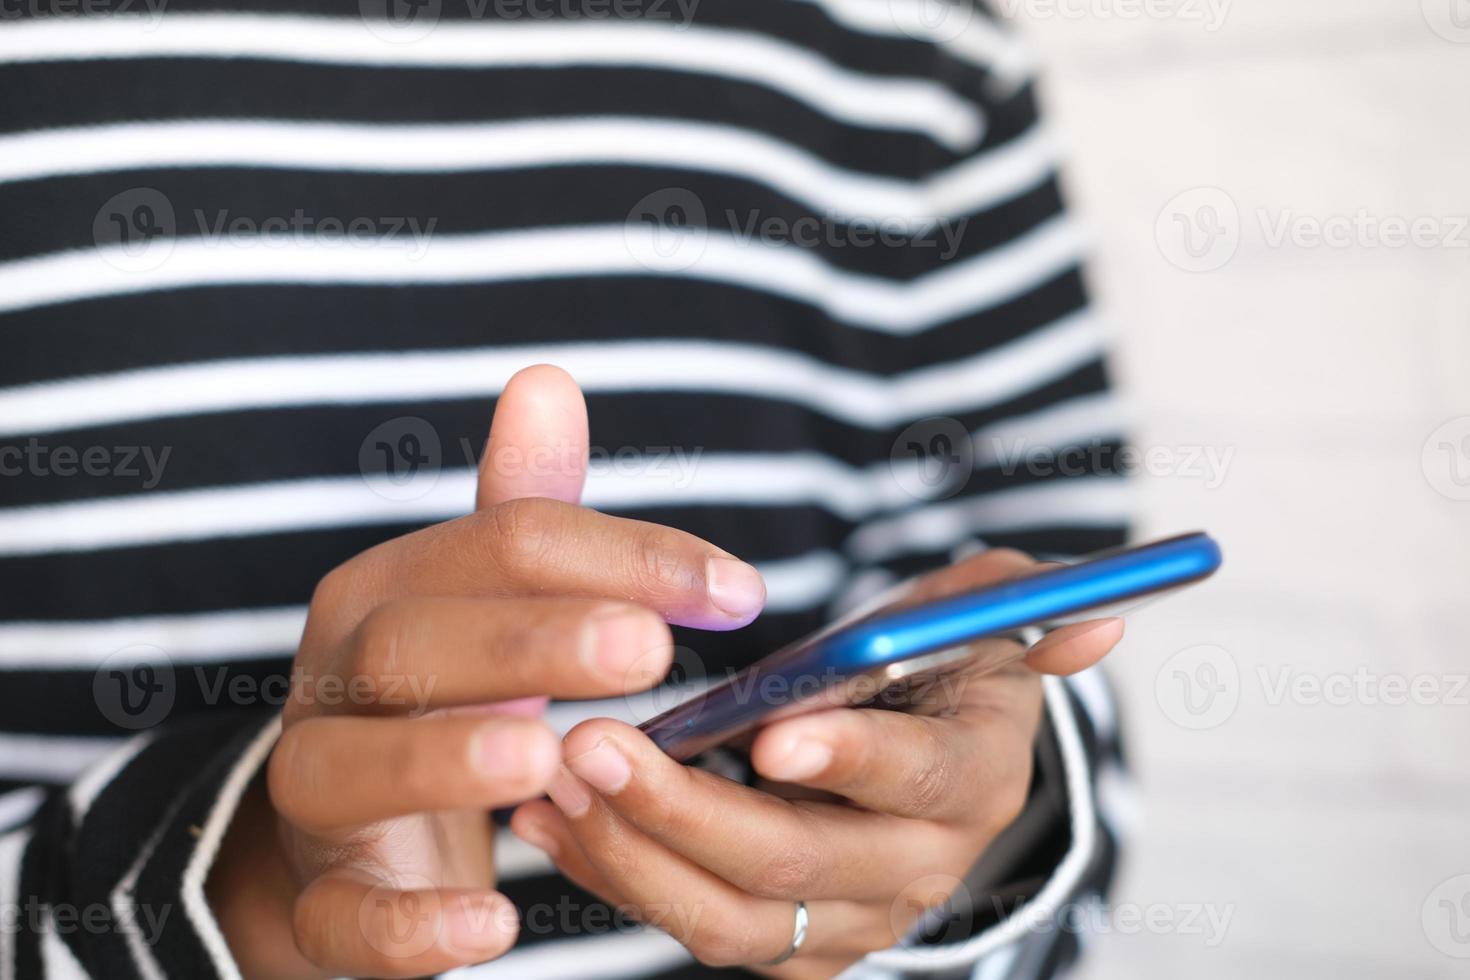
[[538, 440]]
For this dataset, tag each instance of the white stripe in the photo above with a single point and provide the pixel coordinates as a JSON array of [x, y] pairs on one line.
[[1092, 691], [57, 961], [792, 585], [883, 102], [1059, 889], [299, 505], [1075, 422], [196, 906], [12, 852], [901, 308], [997, 966], [845, 195], [966, 384], [51, 758], [356, 501], [954, 25], [98, 776], [124, 908], [1088, 502], [231, 634], [631, 954], [19, 805], [797, 584]]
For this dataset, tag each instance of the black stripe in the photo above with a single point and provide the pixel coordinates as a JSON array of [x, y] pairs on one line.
[[123, 817], [230, 208], [34, 889], [161, 90], [178, 948], [671, 433], [805, 25], [122, 332], [96, 697]]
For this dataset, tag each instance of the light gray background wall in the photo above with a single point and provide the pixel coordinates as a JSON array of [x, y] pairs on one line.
[[1331, 828]]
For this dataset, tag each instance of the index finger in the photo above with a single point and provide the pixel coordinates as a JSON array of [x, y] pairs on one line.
[[536, 546]]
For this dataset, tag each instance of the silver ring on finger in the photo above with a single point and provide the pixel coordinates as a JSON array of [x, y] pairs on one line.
[[798, 936]]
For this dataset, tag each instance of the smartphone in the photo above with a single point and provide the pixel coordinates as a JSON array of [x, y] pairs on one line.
[[857, 659]]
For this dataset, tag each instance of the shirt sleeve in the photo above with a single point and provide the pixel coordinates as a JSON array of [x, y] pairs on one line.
[[105, 877], [1024, 905]]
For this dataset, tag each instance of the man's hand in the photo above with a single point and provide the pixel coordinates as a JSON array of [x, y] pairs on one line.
[[873, 816], [369, 852]]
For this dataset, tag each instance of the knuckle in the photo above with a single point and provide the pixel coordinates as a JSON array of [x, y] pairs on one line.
[[522, 532], [668, 812], [932, 780], [333, 590], [733, 944], [621, 858], [787, 872], [380, 642], [1010, 556], [656, 564]]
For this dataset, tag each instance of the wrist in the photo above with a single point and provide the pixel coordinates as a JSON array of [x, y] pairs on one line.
[[251, 893]]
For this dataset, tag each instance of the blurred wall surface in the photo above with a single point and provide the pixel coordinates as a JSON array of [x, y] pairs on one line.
[[1279, 196]]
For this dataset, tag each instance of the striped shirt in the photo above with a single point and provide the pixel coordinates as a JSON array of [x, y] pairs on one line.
[[264, 267]]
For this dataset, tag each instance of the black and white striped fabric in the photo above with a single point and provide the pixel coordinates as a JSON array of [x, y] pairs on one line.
[[264, 266]]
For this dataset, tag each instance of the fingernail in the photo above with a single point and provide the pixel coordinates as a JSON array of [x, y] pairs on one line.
[[537, 838], [507, 749], [603, 766], [569, 794], [620, 646], [734, 587], [533, 707], [804, 759], [472, 923]]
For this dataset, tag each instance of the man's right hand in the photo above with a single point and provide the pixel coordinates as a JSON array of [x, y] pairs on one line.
[[368, 851]]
